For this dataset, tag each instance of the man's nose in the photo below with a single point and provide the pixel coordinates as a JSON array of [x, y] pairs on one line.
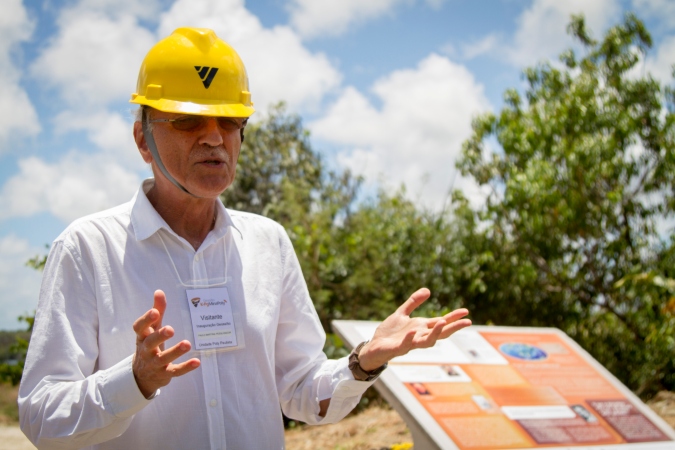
[[211, 134]]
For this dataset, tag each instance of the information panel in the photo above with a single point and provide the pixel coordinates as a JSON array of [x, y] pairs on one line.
[[512, 388]]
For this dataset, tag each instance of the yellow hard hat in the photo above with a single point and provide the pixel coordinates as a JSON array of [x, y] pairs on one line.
[[194, 72]]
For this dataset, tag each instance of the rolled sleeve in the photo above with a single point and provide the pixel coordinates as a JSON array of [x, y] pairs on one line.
[[343, 390], [120, 391]]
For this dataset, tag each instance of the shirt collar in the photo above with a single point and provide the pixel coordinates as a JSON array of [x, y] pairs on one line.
[[146, 221]]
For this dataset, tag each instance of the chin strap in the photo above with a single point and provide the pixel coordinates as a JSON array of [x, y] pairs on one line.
[[150, 140]]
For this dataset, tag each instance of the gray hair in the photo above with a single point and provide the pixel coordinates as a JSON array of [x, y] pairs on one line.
[[141, 112]]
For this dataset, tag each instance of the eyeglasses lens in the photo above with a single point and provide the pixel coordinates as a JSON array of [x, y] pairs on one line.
[[192, 123]]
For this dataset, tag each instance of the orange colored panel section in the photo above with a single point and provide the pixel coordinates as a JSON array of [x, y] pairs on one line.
[[575, 381], [526, 396], [483, 432], [495, 375], [450, 408], [452, 389]]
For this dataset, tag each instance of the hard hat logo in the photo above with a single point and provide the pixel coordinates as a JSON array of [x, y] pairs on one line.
[[206, 74]]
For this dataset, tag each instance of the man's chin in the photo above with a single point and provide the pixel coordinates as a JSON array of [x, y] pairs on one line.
[[205, 189]]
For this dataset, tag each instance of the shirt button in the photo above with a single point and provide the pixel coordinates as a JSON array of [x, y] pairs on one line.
[[213, 402], [198, 256]]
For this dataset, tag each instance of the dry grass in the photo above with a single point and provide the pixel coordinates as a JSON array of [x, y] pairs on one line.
[[374, 428], [9, 411], [664, 405]]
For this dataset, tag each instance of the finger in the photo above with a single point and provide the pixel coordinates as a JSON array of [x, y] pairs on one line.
[[159, 305], [454, 327], [408, 340], [177, 370], [415, 300], [142, 325], [456, 315], [174, 353], [448, 318], [156, 340], [430, 339]]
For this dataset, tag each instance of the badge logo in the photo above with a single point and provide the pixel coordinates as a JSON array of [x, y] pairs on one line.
[[206, 74], [195, 301]]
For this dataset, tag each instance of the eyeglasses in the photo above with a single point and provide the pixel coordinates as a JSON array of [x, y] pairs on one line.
[[194, 123]]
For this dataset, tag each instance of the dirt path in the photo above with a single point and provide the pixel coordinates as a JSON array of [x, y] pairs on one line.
[[11, 438]]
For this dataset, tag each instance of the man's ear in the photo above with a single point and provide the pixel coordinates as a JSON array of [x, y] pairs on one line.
[[142, 145]]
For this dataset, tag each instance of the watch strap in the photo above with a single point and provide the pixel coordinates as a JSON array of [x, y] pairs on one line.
[[357, 370]]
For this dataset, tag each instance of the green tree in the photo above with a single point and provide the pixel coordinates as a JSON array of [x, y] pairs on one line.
[[366, 265], [568, 236], [361, 257], [278, 172], [12, 372]]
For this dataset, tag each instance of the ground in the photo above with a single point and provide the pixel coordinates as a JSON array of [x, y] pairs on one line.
[[664, 405], [376, 428]]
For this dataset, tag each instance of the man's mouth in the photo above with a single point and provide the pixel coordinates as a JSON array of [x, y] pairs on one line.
[[213, 162]]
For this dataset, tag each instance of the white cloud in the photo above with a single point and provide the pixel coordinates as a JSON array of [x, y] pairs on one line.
[[416, 136], [146, 9], [109, 132], [15, 25], [76, 185], [480, 47], [278, 65], [661, 64], [17, 114], [19, 285], [79, 183], [91, 62], [662, 9], [94, 59], [333, 17], [542, 28], [541, 32]]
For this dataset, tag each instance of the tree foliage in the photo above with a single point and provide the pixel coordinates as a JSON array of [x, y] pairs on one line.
[[360, 259], [583, 177], [11, 371]]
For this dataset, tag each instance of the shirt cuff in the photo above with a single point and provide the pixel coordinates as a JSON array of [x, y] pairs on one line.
[[345, 391], [120, 391]]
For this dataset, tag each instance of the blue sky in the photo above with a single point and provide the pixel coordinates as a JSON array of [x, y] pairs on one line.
[[388, 89]]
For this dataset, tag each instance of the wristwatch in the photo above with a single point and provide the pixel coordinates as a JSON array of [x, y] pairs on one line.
[[357, 370]]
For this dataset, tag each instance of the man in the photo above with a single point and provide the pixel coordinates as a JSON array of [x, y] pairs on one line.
[[232, 334]]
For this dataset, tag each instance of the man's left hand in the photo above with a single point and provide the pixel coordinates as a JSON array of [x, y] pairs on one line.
[[400, 333]]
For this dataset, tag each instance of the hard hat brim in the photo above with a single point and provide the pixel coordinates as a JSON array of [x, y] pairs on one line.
[[215, 110]]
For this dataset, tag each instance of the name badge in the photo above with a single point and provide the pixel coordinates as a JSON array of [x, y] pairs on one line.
[[212, 321]]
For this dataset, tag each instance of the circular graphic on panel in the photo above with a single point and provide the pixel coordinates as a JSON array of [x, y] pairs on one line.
[[523, 351]]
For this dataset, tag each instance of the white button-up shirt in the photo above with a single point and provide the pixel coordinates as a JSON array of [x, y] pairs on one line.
[[78, 387]]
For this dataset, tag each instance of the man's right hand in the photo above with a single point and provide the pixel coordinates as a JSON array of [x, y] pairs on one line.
[[152, 364]]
